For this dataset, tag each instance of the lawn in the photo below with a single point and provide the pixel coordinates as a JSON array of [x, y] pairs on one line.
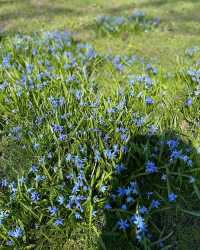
[[99, 127], [180, 24]]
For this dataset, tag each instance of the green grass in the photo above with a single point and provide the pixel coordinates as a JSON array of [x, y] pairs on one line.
[[163, 46], [180, 26]]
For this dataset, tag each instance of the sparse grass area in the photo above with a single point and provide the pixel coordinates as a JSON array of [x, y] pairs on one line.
[[34, 102]]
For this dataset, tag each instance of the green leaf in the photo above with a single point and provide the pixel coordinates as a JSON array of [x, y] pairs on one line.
[[194, 213], [196, 189]]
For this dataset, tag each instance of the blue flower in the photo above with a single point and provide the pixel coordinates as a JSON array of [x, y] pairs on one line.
[[53, 210], [16, 233], [151, 167], [124, 149], [140, 121], [78, 216], [62, 137], [3, 216], [29, 68], [22, 180], [153, 130], [3, 85], [39, 178], [124, 207], [71, 78], [172, 144], [124, 137], [94, 213], [155, 71], [97, 156], [149, 194], [115, 148], [172, 197], [155, 203], [59, 222], [6, 61], [10, 243], [35, 196], [191, 51], [79, 94], [68, 157], [57, 102], [129, 191], [79, 163], [185, 158], [119, 66], [61, 199], [57, 128], [139, 222], [34, 51], [121, 191], [192, 179], [130, 199], [149, 67], [175, 155], [133, 187], [108, 206], [123, 224], [149, 100], [103, 188], [4, 183], [109, 154], [50, 155], [143, 210], [91, 53], [120, 168], [36, 146], [189, 163], [189, 102]]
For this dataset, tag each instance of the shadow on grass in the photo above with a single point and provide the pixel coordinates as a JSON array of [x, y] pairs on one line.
[[146, 4], [160, 3], [169, 221], [8, 2], [30, 12]]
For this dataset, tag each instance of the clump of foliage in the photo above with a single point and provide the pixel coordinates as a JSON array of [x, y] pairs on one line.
[[138, 21]]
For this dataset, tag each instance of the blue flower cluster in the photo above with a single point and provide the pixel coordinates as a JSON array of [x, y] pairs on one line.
[[90, 154], [137, 19]]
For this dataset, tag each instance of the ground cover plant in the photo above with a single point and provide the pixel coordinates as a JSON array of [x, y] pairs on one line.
[[96, 159], [99, 148]]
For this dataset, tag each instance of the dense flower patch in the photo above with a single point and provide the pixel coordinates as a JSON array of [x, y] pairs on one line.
[[136, 21], [93, 155]]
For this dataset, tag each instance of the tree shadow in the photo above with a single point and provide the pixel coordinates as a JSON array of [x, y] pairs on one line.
[[146, 4], [5, 2], [159, 3], [31, 12], [157, 168]]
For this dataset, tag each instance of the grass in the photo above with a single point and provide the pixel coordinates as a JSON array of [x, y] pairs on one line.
[[179, 24], [98, 77]]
